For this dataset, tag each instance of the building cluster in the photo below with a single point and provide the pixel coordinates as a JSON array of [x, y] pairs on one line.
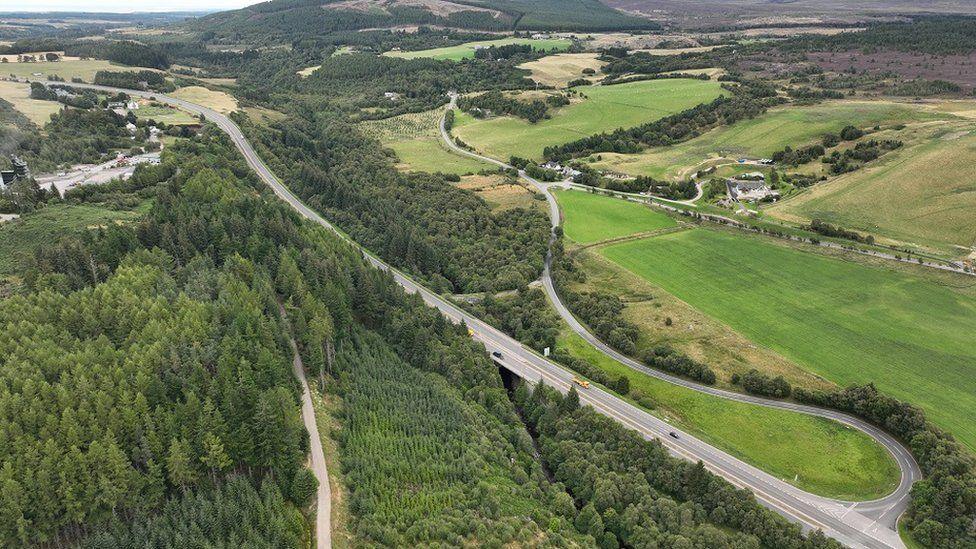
[[565, 171], [750, 187]]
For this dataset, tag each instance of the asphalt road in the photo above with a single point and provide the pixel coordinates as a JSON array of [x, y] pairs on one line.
[[878, 518], [863, 524]]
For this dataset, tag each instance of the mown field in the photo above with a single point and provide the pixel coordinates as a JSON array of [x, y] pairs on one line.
[[37, 111], [924, 194], [416, 140], [19, 238], [762, 136], [68, 69], [912, 334], [560, 69], [814, 454], [466, 50], [216, 100], [589, 217], [604, 108]]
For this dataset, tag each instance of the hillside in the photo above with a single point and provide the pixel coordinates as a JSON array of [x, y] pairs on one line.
[[292, 19]]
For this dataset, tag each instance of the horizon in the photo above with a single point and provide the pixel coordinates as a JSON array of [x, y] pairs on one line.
[[123, 7]]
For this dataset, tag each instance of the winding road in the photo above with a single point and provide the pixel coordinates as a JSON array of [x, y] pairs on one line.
[[865, 524], [884, 512]]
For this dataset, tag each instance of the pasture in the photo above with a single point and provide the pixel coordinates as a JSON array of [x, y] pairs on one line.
[[762, 136], [603, 108], [814, 454], [18, 95], [589, 217], [466, 50], [922, 195], [909, 332]]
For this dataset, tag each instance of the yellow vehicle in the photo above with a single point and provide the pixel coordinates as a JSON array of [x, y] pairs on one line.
[[470, 332], [581, 382]]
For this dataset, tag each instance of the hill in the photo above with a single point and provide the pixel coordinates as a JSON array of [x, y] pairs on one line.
[[294, 19]]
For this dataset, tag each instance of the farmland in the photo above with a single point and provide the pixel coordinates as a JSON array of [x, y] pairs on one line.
[[592, 218], [466, 50], [37, 111], [67, 69], [603, 108], [922, 195], [822, 456], [416, 140], [216, 100], [762, 136], [909, 333], [560, 69], [165, 114]]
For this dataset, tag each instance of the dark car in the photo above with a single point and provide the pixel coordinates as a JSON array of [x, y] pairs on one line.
[[674, 435], [496, 354]]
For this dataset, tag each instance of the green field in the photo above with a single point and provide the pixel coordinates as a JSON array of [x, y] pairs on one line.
[[762, 136], [589, 217], [19, 238], [166, 115], [924, 195], [466, 50], [604, 108], [814, 454], [417, 142], [848, 322]]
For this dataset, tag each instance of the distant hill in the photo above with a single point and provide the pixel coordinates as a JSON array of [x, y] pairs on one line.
[[292, 19]]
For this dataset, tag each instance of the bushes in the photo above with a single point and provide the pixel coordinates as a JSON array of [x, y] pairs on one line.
[[665, 358], [791, 157], [495, 102], [757, 383]]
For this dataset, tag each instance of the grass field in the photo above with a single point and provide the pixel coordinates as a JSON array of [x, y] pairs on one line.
[[165, 114], [561, 69], [80, 68], [589, 217], [37, 111], [814, 454], [762, 136], [19, 238], [924, 195], [416, 140], [690, 331], [216, 100], [605, 108], [848, 322], [466, 50]]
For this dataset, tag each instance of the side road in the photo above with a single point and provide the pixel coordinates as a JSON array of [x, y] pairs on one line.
[[885, 511], [323, 495], [838, 520]]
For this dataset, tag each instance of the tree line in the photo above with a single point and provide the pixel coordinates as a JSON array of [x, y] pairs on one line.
[[747, 100]]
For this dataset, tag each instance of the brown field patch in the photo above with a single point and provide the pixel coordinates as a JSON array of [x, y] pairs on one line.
[[560, 69]]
